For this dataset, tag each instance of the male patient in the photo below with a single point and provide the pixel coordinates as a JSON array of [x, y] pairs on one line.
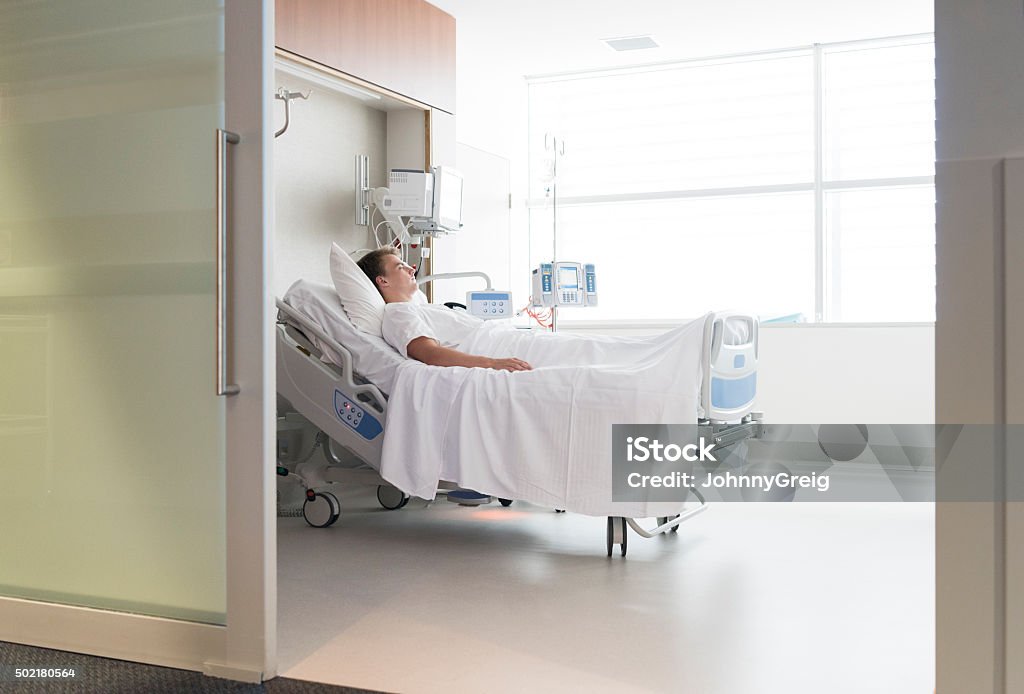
[[424, 332]]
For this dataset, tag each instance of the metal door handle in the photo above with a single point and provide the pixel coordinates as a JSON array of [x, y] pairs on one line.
[[223, 139]]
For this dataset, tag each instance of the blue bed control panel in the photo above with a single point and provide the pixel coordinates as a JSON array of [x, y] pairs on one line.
[[355, 416], [489, 304]]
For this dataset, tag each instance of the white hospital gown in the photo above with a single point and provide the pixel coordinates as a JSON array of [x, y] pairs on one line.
[[405, 321]]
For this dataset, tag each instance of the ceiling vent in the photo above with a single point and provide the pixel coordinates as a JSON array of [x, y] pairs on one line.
[[631, 43]]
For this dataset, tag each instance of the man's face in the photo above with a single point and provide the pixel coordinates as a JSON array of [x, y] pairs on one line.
[[398, 279]]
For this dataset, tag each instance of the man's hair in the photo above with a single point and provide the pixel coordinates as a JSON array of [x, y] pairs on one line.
[[373, 262]]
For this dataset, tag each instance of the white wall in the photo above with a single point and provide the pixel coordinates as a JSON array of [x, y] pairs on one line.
[[484, 242], [492, 118], [314, 178], [835, 374]]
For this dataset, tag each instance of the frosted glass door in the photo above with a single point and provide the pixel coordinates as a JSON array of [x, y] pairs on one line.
[[112, 453]]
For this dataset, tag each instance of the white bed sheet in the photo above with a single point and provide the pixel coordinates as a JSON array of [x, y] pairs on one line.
[[372, 357], [542, 436]]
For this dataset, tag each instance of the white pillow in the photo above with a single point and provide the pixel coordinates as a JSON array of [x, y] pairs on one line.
[[363, 304]]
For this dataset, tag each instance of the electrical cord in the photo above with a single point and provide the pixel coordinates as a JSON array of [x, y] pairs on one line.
[[316, 445], [541, 317]]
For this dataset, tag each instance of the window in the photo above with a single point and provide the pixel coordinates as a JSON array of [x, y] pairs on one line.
[[785, 182]]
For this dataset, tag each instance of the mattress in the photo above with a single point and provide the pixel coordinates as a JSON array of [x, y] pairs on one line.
[[372, 357]]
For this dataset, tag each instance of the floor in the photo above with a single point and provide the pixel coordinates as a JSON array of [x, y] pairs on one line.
[[746, 598]]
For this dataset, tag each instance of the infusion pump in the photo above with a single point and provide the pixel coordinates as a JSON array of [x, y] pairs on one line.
[[565, 284]]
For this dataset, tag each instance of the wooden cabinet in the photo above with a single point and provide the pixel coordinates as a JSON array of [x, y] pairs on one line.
[[405, 46]]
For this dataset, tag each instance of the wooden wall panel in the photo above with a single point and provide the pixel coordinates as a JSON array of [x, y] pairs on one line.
[[407, 46]]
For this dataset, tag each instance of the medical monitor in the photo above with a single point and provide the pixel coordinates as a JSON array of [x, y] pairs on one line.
[[564, 283], [431, 200], [568, 278], [447, 213], [409, 193]]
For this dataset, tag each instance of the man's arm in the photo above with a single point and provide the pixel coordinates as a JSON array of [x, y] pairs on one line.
[[429, 351]]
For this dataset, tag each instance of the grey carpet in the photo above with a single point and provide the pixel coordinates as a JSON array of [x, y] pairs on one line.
[[109, 676]]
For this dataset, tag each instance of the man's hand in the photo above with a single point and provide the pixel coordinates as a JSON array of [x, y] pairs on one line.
[[429, 351], [510, 364]]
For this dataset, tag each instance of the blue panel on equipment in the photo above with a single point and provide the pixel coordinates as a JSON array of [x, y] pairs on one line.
[[489, 296], [730, 394], [738, 361], [351, 413]]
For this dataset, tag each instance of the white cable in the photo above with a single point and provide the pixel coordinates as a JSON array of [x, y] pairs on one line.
[[376, 236], [398, 228]]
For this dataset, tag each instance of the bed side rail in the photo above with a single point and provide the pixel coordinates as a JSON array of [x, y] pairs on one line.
[[729, 365], [347, 372]]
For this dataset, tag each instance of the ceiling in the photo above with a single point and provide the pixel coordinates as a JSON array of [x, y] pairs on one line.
[[528, 37]]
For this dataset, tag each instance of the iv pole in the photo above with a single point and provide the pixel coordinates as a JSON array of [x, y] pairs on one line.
[[556, 146]]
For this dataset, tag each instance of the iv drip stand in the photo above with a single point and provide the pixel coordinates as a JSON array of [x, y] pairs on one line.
[[556, 146]]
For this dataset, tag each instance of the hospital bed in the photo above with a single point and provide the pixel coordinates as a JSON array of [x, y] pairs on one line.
[[341, 386]]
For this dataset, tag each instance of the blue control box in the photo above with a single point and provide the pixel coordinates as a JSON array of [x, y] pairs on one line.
[[355, 416]]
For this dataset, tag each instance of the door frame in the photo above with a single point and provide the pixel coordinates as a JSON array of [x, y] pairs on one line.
[[245, 648]]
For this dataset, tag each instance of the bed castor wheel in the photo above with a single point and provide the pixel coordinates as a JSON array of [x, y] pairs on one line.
[[616, 534], [675, 528], [321, 509], [391, 498], [505, 502], [559, 510]]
